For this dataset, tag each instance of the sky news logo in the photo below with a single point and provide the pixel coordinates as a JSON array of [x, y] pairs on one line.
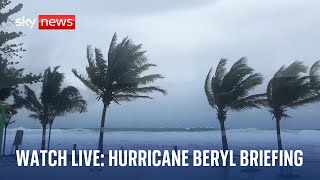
[[49, 22]]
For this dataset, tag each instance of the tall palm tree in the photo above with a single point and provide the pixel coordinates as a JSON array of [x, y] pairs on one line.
[[54, 100], [230, 91], [289, 88], [118, 78]]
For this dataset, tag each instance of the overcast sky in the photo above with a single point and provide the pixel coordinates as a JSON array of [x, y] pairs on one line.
[[184, 38]]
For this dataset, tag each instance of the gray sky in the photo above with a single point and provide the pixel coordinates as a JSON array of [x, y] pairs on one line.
[[184, 38]]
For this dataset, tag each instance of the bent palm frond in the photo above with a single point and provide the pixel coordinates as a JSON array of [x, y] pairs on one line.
[[315, 76]]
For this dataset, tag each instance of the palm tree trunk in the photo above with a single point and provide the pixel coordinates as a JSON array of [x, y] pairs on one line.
[[279, 134], [43, 142], [49, 140], [223, 136], [103, 119], [4, 140]]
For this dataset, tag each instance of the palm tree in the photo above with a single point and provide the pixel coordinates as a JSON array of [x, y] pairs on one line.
[[230, 91], [119, 77], [54, 100], [289, 88]]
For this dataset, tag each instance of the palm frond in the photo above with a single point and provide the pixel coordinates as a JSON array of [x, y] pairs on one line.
[[239, 71], [247, 84], [146, 79], [221, 69], [253, 101], [112, 47], [315, 76], [100, 62], [137, 71], [31, 101], [218, 77], [51, 86], [69, 100], [87, 83], [269, 92], [144, 90], [90, 57], [96, 67], [208, 89], [294, 70], [129, 97]]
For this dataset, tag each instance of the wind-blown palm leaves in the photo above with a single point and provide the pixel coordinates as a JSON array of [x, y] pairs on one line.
[[315, 76], [230, 91], [54, 100], [119, 77], [289, 88]]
